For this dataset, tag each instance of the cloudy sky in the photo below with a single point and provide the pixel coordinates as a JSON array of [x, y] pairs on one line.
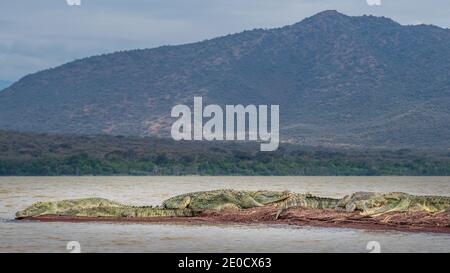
[[35, 35]]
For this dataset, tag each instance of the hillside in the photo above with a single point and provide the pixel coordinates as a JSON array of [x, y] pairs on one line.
[[339, 80], [53, 154]]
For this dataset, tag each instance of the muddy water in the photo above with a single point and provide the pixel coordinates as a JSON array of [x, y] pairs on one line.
[[18, 192]]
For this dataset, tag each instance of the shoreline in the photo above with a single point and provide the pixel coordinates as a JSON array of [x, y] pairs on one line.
[[296, 216]]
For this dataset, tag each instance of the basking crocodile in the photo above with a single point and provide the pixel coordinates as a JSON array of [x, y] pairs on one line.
[[186, 205], [98, 207], [225, 199], [307, 201], [371, 203], [191, 204]]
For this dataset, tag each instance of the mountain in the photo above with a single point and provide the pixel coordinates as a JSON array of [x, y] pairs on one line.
[[4, 84], [339, 80]]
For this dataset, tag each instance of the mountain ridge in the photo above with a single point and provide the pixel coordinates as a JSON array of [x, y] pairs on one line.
[[4, 84], [340, 80]]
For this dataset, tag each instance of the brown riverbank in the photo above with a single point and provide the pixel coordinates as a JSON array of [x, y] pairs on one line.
[[405, 221]]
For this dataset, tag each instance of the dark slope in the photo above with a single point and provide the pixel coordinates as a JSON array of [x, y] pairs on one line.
[[40, 154]]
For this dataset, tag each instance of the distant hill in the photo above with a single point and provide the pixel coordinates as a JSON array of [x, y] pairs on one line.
[[4, 84], [339, 80]]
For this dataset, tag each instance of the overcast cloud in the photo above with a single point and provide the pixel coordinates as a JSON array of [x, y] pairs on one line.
[[35, 35]]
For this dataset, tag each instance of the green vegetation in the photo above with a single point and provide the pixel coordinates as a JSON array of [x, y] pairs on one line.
[[49, 155]]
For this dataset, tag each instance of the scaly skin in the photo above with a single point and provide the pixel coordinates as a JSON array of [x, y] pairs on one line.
[[307, 201], [225, 199], [370, 203], [192, 204], [97, 207], [132, 212]]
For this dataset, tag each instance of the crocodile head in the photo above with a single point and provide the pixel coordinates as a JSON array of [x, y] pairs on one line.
[[371, 203], [271, 197], [37, 209], [43, 208], [177, 202]]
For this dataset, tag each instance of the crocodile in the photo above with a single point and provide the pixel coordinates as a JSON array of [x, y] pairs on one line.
[[192, 204], [308, 201], [372, 203], [98, 207], [226, 199]]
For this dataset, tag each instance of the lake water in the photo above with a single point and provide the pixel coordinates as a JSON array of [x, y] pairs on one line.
[[16, 193]]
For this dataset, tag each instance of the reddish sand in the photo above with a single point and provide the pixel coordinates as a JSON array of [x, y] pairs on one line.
[[409, 221]]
